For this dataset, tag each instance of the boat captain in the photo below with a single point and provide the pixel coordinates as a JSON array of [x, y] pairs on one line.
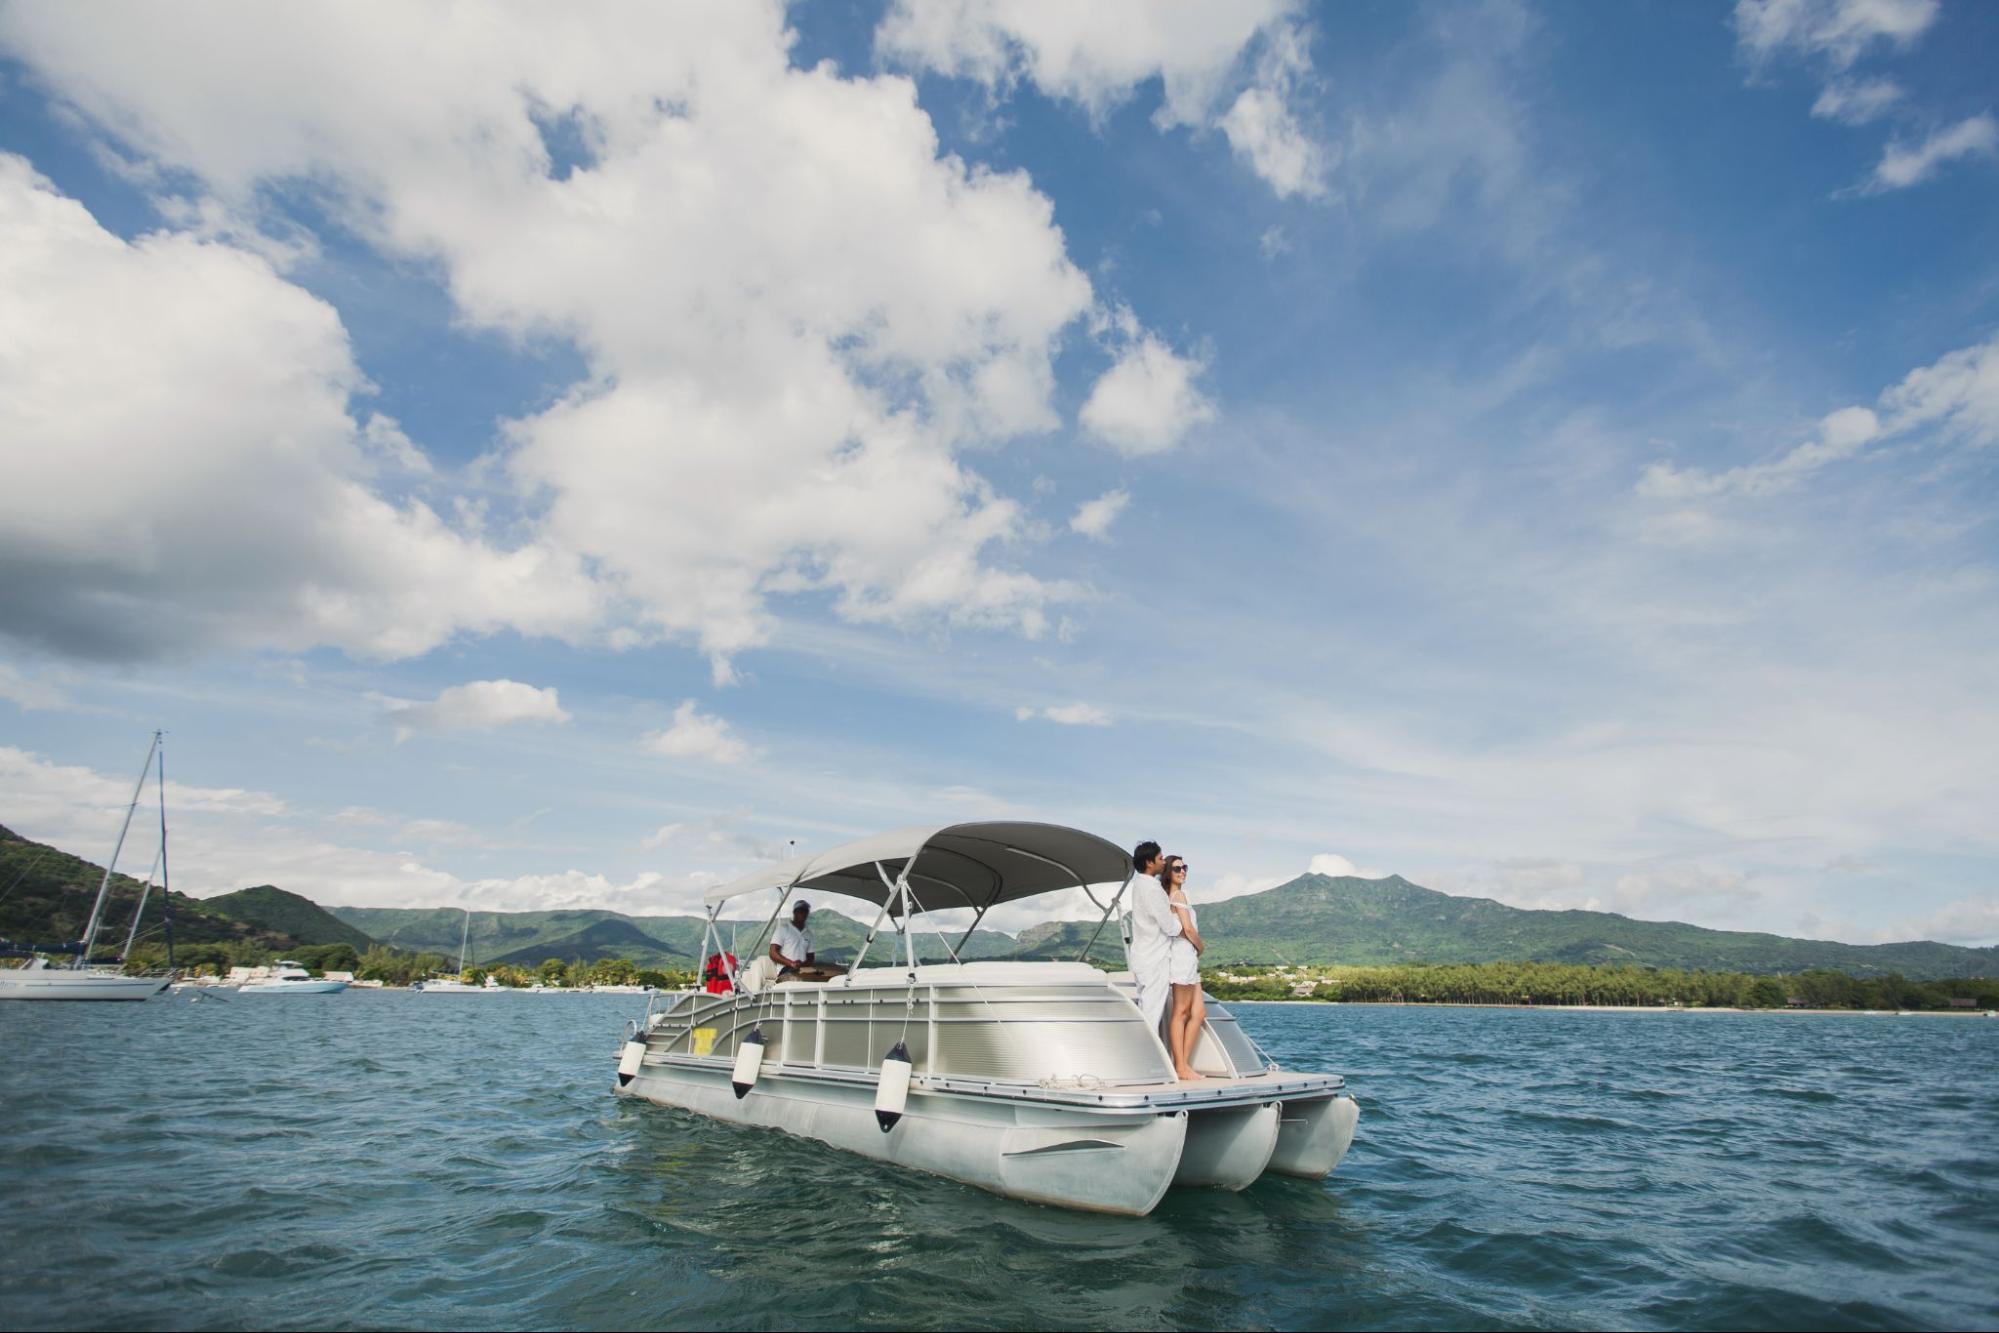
[[790, 948]]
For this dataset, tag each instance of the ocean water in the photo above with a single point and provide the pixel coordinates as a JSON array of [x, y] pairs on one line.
[[382, 1160]]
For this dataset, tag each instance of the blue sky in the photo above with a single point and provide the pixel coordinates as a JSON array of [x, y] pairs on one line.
[[1546, 451]]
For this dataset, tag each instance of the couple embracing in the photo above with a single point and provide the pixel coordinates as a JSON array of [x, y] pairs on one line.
[[1165, 954]]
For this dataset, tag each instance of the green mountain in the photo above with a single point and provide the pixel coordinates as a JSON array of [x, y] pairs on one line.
[[48, 893], [493, 934], [1321, 919], [1312, 919], [267, 907], [526, 938], [614, 937]]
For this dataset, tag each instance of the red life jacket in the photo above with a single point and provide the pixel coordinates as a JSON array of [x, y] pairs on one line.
[[715, 975]]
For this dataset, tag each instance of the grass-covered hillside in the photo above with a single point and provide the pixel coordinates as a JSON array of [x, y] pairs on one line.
[[268, 907], [45, 898], [613, 937]]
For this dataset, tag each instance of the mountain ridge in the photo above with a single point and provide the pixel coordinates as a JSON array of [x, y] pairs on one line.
[[1327, 919], [1311, 919]]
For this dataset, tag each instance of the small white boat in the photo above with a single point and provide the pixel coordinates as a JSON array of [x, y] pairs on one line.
[[291, 979], [38, 981], [1040, 1081]]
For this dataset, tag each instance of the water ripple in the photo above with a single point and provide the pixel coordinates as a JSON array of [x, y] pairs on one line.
[[382, 1161]]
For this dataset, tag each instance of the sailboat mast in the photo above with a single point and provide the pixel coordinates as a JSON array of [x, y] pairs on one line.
[[104, 886], [463, 939], [145, 892], [166, 890]]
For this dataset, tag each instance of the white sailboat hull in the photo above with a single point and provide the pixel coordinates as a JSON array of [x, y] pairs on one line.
[[57, 984], [292, 988]]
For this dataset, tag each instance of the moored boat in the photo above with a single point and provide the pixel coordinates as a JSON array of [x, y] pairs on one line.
[[38, 981], [83, 979], [1038, 1080], [456, 985], [291, 979]]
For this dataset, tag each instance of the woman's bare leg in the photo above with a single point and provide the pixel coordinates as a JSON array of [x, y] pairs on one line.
[[1180, 1034]]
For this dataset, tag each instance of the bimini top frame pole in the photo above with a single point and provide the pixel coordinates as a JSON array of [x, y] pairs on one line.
[[963, 866]]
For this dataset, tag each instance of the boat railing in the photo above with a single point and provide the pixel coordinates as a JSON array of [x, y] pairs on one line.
[[950, 1028]]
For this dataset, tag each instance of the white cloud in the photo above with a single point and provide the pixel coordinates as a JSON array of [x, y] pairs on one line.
[[1232, 885], [1957, 396], [1146, 402], [226, 838], [184, 474], [1837, 31], [1967, 921], [478, 705], [765, 268], [1857, 101], [1068, 715], [1096, 55], [697, 735], [1904, 164], [79, 809], [1262, 124], [1337, 866], [1094, 517], [1841, 435]]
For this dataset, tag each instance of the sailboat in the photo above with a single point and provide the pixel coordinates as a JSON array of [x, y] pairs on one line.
[[84, 980], [457, 985]]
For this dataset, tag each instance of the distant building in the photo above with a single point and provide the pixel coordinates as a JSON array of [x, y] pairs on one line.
[[339, 976], [1963, 1002]]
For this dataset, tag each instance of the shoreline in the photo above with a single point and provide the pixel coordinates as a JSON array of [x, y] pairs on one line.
[[1616, 1008]]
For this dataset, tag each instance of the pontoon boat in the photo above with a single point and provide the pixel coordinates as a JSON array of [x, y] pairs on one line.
[[1038, 1080]]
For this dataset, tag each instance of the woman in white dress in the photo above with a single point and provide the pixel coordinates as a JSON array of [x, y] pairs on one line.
[[1189, 1012]]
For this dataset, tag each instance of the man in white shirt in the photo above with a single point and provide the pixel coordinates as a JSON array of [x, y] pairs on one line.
[[1153, 926], [791, 945]]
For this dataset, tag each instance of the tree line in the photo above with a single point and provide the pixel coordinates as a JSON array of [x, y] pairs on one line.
[[399, 967], [1575, 983]]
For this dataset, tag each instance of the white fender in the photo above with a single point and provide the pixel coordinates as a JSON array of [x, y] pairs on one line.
[[892, 1094], [749, 1063], [629, 1060]]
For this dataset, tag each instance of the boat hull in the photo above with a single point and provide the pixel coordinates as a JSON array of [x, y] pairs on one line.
[[53, 984], [1228, 1148], [1098, 1163], [1313, 1136], [292, 988]]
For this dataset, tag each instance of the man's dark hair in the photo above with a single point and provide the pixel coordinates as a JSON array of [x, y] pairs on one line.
[[1143, 855]]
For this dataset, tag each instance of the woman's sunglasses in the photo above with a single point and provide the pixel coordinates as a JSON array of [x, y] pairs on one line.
[[1178, 870]]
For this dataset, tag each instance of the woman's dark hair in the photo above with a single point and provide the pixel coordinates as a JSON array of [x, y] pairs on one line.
[[1145, 851], [1166, 872]]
